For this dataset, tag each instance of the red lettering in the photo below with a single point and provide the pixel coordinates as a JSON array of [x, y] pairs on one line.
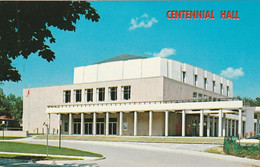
[[187, 15], [223, 15], [212, 16], [207, 15], [167, 14], [229, 15]]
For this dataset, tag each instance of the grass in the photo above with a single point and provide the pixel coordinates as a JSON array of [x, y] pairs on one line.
[[34, 158], [8, 146], [215, 150], [10, 138]]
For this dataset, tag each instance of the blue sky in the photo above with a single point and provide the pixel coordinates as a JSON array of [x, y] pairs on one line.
[[214, 45]]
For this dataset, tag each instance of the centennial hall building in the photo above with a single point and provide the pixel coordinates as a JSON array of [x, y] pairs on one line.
[[137, 96]]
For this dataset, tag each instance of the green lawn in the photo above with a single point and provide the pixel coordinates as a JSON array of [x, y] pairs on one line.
[[34, 158], [10, 138], [8, 146]]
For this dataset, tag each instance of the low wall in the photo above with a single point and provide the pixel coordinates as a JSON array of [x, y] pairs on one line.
[[14, 133]]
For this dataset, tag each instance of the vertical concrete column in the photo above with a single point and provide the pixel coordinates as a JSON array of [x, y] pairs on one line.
[[231, 127], [235, 127], [94, 123], [240, 123], [220, 123], [135, 123], [213, 126], [183, 123], [70, 123], [150, 123], [201, 123], [120, 123], [166, 122], [224, 125], [107, 123], [208, 125], [257, 123], [82, 124], [59, 120], [227, 134]]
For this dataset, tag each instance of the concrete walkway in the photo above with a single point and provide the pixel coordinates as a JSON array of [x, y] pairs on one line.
[[133, 154]]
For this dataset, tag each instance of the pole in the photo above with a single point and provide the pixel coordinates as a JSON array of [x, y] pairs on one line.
[[60, 137], [3, 131], [47, 139]]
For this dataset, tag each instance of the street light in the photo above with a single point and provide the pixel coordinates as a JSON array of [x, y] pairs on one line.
[[60, 134], [47, 126], [3, 124]]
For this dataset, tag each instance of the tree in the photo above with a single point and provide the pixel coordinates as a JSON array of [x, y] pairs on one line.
[[11, 106], [25, 29]]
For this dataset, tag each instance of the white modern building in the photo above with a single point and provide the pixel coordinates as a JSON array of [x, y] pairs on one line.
[[134, 95]]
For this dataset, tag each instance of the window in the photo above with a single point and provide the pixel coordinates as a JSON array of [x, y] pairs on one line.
[[66, 127], [100, 94], [195, 94], [89, 95], [126, 92], [205, 97], [213, 86], [184, 76], [113, 93], [210, 98], [200, 96], [77, 95], [205, 83], [66, 96], [227, 90], [221, 89], [195, 80]]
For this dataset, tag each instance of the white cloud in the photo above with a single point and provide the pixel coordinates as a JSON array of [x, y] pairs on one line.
[[232, 73], [148, 53], [165, 52], [143, 22]]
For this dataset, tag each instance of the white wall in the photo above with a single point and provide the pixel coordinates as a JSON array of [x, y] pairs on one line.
[[150, 67]]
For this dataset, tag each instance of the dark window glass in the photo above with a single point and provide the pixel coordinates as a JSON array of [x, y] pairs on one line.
[[77, 95], [113, 93], [126, 92], [89, 95], [101, 94], [67, 95], [66, 127]]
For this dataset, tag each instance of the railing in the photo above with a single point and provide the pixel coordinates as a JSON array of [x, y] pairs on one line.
[[91, 104], [233, 146]]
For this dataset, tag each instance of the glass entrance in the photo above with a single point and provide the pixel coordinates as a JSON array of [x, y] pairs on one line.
[[77, 128], [88, 128], [100, 128], [112, 128]]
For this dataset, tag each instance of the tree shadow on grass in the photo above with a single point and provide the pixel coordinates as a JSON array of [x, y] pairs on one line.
[[28, 161]]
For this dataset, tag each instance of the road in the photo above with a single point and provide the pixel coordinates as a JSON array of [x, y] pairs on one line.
[[131, 154]]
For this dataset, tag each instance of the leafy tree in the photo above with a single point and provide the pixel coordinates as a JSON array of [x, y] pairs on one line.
[[11, 106], [25, 29]]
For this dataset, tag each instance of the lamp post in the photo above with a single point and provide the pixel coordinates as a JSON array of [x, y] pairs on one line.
[[47, 126], [3, 124], [60, 134]]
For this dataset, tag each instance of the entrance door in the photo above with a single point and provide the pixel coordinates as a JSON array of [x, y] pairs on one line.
[[112, 128], [77, 128], [88, 128], [100, 128]]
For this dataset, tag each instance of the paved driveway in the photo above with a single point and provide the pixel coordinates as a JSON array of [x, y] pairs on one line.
[[130, 154]]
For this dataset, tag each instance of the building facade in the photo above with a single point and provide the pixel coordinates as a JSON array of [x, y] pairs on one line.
[[133, 95]]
